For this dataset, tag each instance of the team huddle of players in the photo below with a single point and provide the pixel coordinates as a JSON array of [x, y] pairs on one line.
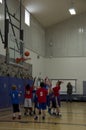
[[38, 99]]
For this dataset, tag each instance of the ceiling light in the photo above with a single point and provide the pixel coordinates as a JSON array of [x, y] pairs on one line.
[[1, 1], [72, 8], [72, 11]]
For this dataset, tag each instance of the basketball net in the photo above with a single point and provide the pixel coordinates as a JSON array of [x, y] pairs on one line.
[[18, 60]]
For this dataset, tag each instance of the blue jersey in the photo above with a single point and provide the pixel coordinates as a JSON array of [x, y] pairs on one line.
[[14, 97], [46, 86]]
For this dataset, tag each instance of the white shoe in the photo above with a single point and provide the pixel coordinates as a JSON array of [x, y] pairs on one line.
[[59, 114]]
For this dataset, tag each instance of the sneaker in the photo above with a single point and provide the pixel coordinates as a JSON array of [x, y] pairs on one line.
[[49, 111], [59, 114], [19, 117], [26, 114], [39, 112], [36, 118], [43, 117], [31, 113], [54, 113]]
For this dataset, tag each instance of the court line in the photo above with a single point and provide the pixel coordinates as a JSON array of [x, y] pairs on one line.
[[16, 128], [54, 123]]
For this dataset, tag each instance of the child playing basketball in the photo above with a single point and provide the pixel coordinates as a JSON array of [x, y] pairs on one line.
[[28, 99], [57, 102], [48, 85], [41, 94], [15, 102]]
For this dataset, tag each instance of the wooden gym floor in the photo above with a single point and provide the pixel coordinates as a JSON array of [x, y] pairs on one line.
[[73, 118]]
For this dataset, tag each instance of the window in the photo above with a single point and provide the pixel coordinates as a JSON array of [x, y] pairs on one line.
[[64, 84], [1, 1], [27, 17]]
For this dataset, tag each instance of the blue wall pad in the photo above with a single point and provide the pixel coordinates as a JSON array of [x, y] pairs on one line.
[[5, 87]]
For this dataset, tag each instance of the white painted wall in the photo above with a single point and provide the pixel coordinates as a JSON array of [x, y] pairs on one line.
[[68, 38], [34, 37], [60, 68], [38, 64], [67, 68], [66, 43]]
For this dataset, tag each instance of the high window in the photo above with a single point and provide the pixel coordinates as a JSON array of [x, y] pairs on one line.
[[27, 17]]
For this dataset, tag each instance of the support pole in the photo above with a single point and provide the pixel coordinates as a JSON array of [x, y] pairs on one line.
[[21, 31]]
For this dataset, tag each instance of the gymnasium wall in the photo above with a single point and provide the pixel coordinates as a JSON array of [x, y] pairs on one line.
[[35, 37], [5, 88], [67, 68], [68, 38], [38, 64], [66, 50]]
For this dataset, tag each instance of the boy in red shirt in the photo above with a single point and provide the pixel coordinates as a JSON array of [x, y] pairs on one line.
[[41, 94], [28, 99], [56, 93]]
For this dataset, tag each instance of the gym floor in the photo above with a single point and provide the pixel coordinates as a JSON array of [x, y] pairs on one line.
[[73, 118]]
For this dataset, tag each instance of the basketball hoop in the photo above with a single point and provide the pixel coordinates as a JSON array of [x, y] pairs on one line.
[[22, 59], [17, 60], [27, 58]]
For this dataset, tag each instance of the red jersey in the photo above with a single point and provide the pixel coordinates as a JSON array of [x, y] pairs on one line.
[[42, 95], [29, 93], [56, 90]]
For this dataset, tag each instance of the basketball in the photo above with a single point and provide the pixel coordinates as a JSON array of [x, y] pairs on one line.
[[27, 53]]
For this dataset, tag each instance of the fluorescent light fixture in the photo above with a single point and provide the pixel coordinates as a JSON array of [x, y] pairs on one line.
[[72, 11], [1, 1]]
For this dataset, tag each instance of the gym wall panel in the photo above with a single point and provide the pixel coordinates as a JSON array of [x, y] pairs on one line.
[[4, 92], [84, 88], [68, 38], [35, 37], [5, 87]]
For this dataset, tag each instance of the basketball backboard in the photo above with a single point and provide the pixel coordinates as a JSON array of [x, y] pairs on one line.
[[15, 50]]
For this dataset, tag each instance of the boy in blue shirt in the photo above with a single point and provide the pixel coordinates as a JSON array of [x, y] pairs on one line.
[[15, 102]]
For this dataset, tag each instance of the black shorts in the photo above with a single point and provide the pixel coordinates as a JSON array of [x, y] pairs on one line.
[[16, 108], [54, 104]]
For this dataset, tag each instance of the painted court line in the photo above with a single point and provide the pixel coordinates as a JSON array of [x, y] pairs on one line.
[[16, 128], [51, 123]]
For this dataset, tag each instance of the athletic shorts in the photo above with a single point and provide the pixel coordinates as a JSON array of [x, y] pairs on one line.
[[41, 106], [54, 104], [58, 102], [27, 102], [16, 108]]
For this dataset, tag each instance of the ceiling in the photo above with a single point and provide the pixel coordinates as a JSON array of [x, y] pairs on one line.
[[49, 12]]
